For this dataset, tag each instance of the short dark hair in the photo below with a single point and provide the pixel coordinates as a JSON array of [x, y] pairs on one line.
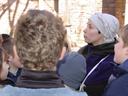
[[8, 44]]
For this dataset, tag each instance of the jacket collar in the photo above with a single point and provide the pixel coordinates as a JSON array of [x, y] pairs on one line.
[[102, 49]]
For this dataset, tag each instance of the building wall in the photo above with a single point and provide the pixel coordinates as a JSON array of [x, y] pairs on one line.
[[126, 13], [109, 6], [120, 11], [75, 14]]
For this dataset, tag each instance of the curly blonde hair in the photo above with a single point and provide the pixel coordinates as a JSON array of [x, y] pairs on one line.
[[39, 37]]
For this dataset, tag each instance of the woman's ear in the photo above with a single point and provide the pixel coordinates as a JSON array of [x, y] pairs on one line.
[[99, 32]]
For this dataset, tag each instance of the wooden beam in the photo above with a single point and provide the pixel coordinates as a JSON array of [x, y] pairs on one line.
[[56, 6], [116, 8], [120, 10]]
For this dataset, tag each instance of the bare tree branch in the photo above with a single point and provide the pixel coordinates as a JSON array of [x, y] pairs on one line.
[[27, 3], [49, 6], [13, 18], [9, 15], [6, 8]]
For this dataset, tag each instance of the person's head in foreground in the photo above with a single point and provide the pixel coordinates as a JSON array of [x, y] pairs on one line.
[[121, 50], [119, 87], [39, 38]]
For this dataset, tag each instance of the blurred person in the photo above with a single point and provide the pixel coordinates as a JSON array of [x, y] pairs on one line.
[[72, 69], [4, 67], [118, 86], [14, 69]]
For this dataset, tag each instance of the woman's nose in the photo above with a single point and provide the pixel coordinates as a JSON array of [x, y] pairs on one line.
[[84, 30]]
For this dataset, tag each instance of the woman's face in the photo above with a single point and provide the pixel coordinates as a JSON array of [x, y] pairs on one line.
[[92, 35], [121, 52]]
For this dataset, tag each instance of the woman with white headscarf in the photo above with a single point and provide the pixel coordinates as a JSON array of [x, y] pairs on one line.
[[100, 35]]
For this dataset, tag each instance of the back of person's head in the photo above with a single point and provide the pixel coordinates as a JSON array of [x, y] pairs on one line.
[[124, 34], [39, 38], [107, 25]]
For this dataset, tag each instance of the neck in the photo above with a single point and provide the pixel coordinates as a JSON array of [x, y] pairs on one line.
[[98, 43]]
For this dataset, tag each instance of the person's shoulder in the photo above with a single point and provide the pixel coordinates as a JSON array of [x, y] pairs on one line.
[[124, 65], [125, 62], [110, 57], [39, 92], [1, 86], [68, 91], [83, 49], [118, 87]]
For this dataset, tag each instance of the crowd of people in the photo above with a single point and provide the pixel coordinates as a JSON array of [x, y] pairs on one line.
[[39, 62]]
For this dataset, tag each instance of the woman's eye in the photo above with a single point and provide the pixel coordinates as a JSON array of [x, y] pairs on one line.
[[90, 26]]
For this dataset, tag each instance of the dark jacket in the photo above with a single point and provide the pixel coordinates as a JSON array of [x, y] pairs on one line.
[[97, 81], [119, 86], [39, 79], [11, 78]]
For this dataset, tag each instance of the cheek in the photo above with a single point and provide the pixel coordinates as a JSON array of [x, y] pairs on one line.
[[118, 46], [117, 50], [92, 35]]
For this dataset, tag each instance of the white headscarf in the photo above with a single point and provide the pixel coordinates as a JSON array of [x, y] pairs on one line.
[[107, 24]]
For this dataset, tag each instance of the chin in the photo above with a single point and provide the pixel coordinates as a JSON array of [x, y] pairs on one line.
[[87, 41]]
